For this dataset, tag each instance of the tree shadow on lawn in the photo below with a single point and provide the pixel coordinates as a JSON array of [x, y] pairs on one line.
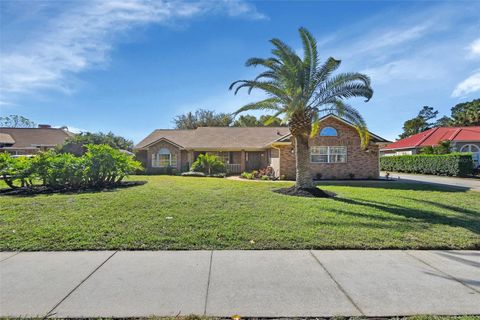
[[41, 190], [394, 185], [466, 220]]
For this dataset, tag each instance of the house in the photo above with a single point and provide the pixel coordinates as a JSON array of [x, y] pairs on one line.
[[463, 139], [334, 153], [28, 141]]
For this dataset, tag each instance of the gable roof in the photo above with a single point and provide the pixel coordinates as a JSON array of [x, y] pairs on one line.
[[373, 137], [227, 138], [434, 136], [216, 137], [32, 137]]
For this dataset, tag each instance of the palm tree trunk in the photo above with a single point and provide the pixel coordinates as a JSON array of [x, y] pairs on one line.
[[304, 177]]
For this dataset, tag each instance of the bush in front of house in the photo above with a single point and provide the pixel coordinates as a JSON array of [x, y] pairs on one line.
[[101, 166], [453, 164], [209, 164]]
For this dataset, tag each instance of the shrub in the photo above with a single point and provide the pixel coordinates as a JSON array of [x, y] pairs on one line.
[[15, 170], [59, 170], [100, 166], [246, 175], [453, 164], [105, 165], [208, 164], [265, 178]]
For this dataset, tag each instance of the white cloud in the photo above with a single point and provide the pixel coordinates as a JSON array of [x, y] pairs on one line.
[[82, 36], [474, 49], [467, 86]]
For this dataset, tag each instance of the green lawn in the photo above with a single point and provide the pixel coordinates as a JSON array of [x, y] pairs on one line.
[[208, 213]]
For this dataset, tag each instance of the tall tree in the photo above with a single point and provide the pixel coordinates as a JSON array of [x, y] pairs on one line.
[[202, 118], [420, 123], [247, 121], [271, 122], [301, 90], [77, 143], [16, 121], [466, 114]]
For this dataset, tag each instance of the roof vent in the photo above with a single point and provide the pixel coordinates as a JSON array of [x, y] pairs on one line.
[[44, 126]]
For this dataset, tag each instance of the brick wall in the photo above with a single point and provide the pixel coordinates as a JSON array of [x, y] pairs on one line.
[[363, 164], [173, 150]]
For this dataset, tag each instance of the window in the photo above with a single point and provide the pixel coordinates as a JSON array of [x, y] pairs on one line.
[[328, 154], [470, 148], [328, 132], [164, 158]]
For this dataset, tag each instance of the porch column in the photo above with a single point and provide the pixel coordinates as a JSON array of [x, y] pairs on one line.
[[242, 161]]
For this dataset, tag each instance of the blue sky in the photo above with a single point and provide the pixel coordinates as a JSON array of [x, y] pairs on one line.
[[130, 67]]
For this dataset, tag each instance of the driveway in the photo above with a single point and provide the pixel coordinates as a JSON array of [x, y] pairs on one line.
[[294, 283], [466, 183]]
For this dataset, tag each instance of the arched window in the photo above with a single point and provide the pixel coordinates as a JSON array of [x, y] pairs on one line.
[[470, 148], [164, 158], [328, 132]]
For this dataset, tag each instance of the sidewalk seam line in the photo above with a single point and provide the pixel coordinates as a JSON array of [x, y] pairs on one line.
[[337, 283], [208, 283], [13, 255], [49, 313], [441, 271]]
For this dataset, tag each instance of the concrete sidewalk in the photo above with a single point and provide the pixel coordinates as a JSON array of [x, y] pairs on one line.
[[248, 283]]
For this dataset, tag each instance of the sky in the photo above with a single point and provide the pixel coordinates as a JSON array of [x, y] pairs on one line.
[[131, 66]]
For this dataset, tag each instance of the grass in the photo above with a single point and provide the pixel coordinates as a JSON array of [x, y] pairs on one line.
[[208, 213]]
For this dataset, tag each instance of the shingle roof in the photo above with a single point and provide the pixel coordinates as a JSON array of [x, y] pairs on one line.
[[434, 136], [28, 137], [217, 137], [231, 138], [6, 138]]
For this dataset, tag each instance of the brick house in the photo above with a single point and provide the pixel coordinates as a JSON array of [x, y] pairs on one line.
[[335, 153], [29, 141]]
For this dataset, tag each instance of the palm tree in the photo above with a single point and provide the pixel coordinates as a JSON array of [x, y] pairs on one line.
[[302, 90]]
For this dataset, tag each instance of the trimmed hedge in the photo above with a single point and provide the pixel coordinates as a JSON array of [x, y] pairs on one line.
[[453, 164]]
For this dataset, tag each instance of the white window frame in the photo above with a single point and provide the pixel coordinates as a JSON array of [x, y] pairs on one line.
[[158, 162], [317, 151], [470, 147]]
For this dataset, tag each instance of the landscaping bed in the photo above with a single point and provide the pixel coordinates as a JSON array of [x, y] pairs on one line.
[[191, 213]]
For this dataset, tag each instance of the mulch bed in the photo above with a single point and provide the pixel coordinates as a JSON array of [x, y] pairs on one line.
[[305, 192], [36, 190]]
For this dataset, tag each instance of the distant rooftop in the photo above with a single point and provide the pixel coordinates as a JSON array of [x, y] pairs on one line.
[[434, 136]]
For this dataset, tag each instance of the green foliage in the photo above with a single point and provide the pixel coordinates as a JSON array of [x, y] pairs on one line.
[[453, 164], [106, 165], [202, 118], [301, 90], [100, 166], [444, 147], [59, 171], [420, 123], [246, 175], [16, 121], [77, 144], [208, 164], [16, 172], [466, 114]]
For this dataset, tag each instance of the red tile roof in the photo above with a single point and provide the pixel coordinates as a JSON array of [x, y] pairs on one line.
[[434, 136]]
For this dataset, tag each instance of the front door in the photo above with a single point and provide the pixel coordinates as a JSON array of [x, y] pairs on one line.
[[253, 160]]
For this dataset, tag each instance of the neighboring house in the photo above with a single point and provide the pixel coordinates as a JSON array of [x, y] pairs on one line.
[[334, 153], [29, 141], [463, 139]]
